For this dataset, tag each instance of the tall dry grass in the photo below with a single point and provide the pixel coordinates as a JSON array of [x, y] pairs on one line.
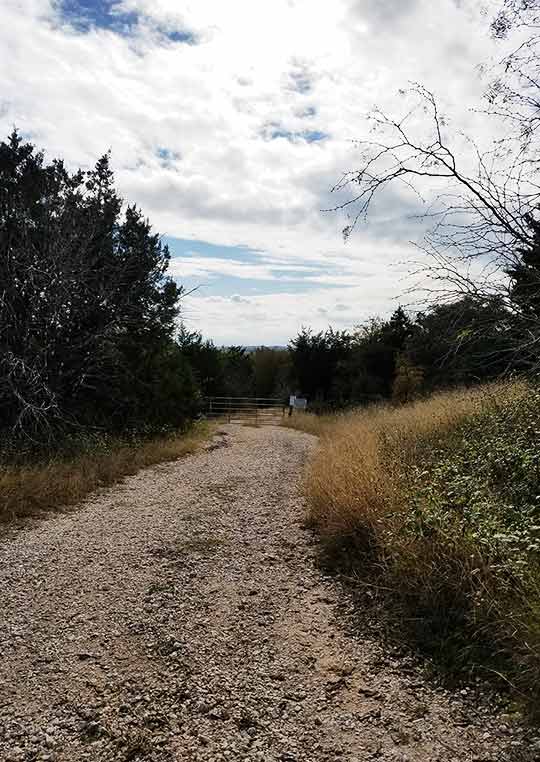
[[357, 475], [49, 485], [379, 501], [318, 425]]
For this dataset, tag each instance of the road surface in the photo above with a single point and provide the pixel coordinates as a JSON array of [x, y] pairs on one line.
[[181, 615]]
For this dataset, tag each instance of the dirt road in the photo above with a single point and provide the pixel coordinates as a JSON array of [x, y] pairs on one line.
[[181, 616]]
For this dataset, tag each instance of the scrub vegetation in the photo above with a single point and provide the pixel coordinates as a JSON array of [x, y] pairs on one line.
[[435, 507]]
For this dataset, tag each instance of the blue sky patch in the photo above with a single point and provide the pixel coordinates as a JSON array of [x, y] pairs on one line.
[[225, 285], [216, 283], [272, 132], [167, 156], [280, 132], [182, 246], [177, 36], [301, 81], [85, 15], [313, 136], [308, 113]]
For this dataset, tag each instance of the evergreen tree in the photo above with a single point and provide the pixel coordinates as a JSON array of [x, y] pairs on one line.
[[87, 312]]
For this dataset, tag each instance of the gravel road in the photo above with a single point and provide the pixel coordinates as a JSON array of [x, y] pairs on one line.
[[180, 615]]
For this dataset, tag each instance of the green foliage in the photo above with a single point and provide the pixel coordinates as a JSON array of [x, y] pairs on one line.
[[233, 371], [466, 555], [408, 380], [238, 372], [341, 368], [483, 482], [226, 371], [379, 343], [88, 314], [463, 342], [206, 361], [315, 359], [271, 371], [525, 273]]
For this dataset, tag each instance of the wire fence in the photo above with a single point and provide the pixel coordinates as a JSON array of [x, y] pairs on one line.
[[252, 411]]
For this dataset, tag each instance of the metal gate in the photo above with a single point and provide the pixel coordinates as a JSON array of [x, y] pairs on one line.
[[251, 411]]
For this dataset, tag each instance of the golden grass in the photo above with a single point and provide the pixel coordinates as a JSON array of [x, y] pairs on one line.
[[361, 487], [311, 423], [356, 476], [31, 489]]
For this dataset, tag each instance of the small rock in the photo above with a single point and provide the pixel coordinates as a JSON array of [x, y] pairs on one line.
[[49, 741]]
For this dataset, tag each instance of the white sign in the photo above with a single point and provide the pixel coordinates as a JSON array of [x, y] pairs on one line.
[[292, 399]]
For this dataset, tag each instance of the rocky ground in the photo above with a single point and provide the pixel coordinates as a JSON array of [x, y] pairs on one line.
[[181, 616]]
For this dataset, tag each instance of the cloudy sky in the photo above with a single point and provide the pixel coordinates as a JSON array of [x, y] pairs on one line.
[[230, 120]]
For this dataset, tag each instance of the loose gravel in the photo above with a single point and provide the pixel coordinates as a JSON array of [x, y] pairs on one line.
[[181, 615]]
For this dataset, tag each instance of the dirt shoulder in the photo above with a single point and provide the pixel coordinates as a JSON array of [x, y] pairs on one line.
[[181, 616]]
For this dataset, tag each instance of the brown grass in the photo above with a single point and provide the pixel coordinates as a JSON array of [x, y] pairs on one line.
[[311, 423], [442, 586], [31, 489], [356, 476]]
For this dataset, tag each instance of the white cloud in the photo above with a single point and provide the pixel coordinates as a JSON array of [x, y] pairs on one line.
[[193, 266], [271, 315], [293, 64]]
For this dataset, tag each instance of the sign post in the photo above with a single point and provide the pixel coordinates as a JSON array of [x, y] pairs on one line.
[[296, 403], [291, 404]]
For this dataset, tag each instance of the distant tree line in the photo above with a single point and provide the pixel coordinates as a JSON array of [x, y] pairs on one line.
[[236, 371], [463, 342]]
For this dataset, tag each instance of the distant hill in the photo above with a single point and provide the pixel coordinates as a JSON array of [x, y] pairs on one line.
[[253, 347]]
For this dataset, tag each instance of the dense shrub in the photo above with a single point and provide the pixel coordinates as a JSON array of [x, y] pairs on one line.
[[470, 549]]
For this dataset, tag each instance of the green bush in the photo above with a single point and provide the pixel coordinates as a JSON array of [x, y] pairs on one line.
[[483, 482], [468, 558]]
